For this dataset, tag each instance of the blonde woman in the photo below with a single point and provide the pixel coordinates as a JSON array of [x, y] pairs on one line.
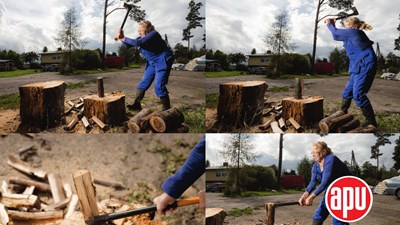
[[159, 61], [326, 169], [362, 66]]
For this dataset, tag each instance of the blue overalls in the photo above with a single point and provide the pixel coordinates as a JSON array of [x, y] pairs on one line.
[[159, 61], [363, 63], [333, 169]]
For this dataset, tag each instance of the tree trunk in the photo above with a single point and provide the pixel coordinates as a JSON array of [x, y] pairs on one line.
[[334, 121], [42, 103], [270, 213], [368, 129], [110, 109], [298, 88], [167, 120], [306, 111], [353, 124], [134, 122], [241, 103], [215, 216]]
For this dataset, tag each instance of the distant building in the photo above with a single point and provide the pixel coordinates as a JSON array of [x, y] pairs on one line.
[[259, 60], [217, 173], [48, 58], [6, 65]]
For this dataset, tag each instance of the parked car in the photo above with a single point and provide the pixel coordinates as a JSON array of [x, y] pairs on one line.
[[392, 186], [51, 67], [215, 187], [258, 70], [178, 66], [389, 76]]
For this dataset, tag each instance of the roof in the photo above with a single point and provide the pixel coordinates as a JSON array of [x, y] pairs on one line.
[[259, 55], [5, 60], [53, 52]]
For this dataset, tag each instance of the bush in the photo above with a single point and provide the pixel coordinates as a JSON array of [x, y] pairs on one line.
[[295, 64], [393, 69], [86, 59]]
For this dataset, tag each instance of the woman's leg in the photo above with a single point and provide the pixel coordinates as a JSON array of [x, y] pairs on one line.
[[163, 69], [142, 86]]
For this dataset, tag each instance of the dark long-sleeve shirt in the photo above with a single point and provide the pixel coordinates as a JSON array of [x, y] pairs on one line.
[[357, 45], [333, 169], [191, 170]]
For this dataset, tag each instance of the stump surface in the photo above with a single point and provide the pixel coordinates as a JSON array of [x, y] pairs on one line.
[[306, 111], [110, 109]]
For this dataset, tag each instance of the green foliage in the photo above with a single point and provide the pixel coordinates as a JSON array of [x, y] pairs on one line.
[[236, 212], [130, 55], [276, 89], [368, 171], [72, 86], [195, 119], [396, 155], [9, 101], [17, 73], [304, 168], [194, 20], [86, 59], [14, 56], [257, 178], [212, 100], [295, 64], [389, 123], [340, 59], [397, 40], [219, 56]]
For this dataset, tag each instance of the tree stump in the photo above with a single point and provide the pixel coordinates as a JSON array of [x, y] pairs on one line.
[[42, 103], [215, 216], [167, 120], [241, 103], [110, 109], [306, 111]]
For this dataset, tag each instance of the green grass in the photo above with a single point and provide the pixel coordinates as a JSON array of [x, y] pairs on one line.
[[212, 100], [195, 119], [236, 212], [308, 76], [268, 193], [276, 89], [9, 101], [389, 123], [225, 74], [72, 86], [17, 73]]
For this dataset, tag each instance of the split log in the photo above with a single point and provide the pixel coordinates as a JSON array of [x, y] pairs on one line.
[[29, 190], [3, 215], [77, 106], [270, 213], [67, 190], [37, 217], [115, 185], [86, 123], [86, 194], [62, 204], [25, 168], [72, 206], [110, 109], [298, 88], [19, 200], [135, 121], [56, 187], [4, 187], [353, 124], [42, 103], [331, 122], [71, 124], [99, 123], [28, 182], [23, 150], [145, 123], [306, 111], [368, 129], [281, 123], [266, 125], [215, 216], [275, 128], [167, 120], [100, 87], [241, 103], [295, 125]]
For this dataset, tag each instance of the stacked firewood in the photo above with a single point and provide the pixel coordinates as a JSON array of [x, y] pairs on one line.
[[275, 123], [147, 121], [340, 122]]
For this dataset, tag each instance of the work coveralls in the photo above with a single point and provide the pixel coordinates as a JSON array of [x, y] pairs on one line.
[[191, 170], [159, 61], [362, 66], [333, 169]]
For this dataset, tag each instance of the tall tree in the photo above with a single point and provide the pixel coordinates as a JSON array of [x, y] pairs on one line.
[[136, 14], [194, 20], [381, 140], [237, 150], [324, 6], [69, 35], [396, 155], [236, 58], [339, 59], [253, 51], [30, 57], [304, 169], [397, 40], [45, 49], [279, 38]]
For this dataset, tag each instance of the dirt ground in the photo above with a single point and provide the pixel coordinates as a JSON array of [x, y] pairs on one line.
[[384, 210], [141, 162], [186, 89], [383, 94]]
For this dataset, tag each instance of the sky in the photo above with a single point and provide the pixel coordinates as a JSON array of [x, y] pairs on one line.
[[31, 25], [242, 26], [296, 146]]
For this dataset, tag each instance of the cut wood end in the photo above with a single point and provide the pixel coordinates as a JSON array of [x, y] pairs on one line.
[[80, 173], [158, 124], [107, 96], [245, 83], [304, 99], [46, 84]]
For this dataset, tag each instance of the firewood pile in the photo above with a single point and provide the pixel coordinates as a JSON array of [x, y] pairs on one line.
[[340, 122], [275, 123]]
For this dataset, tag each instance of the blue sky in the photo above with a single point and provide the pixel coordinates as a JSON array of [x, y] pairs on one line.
[[238, 26], [296, 146], [31, 25]]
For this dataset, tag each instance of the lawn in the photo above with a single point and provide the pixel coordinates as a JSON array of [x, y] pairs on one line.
[[17, 73], [225, 74]]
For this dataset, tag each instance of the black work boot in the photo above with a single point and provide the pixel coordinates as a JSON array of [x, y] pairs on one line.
[[369, 115], [317, 222], [136, 104], [345, 104], [165, 103]]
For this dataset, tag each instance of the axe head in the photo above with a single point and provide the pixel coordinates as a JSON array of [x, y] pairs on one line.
[[344, 15]]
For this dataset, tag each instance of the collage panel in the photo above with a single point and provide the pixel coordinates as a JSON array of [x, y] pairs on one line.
[[43, 176], [263, 178]]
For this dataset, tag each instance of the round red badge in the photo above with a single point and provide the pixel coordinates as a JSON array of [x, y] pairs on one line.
[[348, 199]]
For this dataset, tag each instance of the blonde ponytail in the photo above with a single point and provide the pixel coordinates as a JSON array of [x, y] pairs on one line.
[[356, 23]]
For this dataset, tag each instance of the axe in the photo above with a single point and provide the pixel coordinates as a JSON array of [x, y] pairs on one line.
[[344, 15], [101, 219], [128, 8]]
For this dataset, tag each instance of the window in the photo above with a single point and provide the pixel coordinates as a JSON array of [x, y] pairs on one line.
[[221, 173], [262, 59]]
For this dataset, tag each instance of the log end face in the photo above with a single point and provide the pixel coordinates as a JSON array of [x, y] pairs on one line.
[[324, 127], [158, 124]]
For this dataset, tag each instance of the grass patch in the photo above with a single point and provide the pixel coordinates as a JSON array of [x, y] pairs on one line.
[[276, 89], [225, 74], [72, 86], [9, 101], [212, 100], [389, 123], [195, 119], [17, 73], [308, 76], [236, 212]]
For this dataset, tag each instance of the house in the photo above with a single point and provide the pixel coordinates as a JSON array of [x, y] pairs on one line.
[[259, 60], [213, 65], [6, 65], [49, 58], [217, 174]]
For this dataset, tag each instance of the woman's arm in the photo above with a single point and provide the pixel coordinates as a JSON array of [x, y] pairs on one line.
[[140, 40], [313, 180], [326, 174]]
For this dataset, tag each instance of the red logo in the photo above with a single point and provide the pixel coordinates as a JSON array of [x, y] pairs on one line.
[[348, 199]]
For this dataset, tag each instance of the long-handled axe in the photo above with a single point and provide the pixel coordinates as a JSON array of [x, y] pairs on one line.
[[344, 15], [128, 8], [101, 219]]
